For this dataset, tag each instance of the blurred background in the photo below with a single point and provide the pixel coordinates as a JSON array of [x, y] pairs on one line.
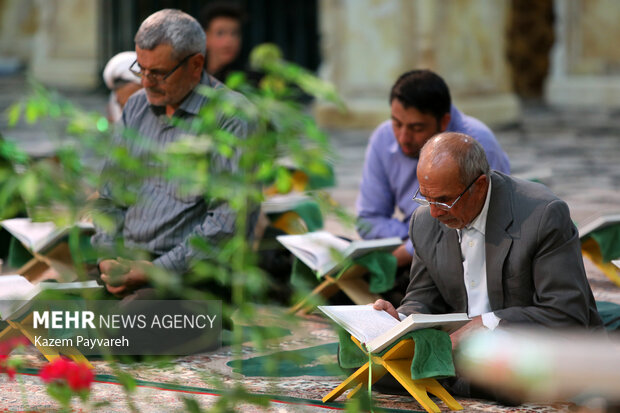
[[543, 74], [494, 54]]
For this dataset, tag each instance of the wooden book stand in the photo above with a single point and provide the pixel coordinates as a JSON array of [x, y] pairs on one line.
[[58, 259], [351, 282], [397, 362], [24, 327], [591, 250]]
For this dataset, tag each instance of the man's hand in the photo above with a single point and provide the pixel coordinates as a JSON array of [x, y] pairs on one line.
[[403, 257], [473, 325], [121, 277], [381, 304]]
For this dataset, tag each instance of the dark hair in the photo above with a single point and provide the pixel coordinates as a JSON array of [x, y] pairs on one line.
[[220, 9], [424, 90]]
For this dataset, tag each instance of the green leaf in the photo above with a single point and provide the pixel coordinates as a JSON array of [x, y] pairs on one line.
[[127, 381], [102, 124], [29, 186], [14, 113], [235, 80], [191, 405], [32, 113]]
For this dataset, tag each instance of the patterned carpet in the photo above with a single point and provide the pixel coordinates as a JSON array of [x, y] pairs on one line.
[[307, 372]]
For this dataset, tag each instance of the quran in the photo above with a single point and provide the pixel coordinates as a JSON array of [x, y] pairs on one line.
[[376, 329], [325, 253]]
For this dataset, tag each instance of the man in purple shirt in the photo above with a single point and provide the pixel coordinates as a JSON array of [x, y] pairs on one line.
[[421, 107]]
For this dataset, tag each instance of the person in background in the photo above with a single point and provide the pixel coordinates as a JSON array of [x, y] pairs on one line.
[[421, 107], [222, 24], [119, 79]]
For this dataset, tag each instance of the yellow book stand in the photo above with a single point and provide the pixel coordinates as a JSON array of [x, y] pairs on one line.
[[351, 282], [57, 259], [24, 327], [591, 250], [397, 362]]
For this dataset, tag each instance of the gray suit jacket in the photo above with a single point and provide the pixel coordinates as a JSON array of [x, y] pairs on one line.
[[535, 271]]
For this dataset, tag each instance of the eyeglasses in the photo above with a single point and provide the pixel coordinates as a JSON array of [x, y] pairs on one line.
[[441, 205], [155, 75]]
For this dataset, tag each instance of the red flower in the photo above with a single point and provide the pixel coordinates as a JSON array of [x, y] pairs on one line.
[[56, 370], [77, 376], [9, 345], [5, 349], [10, 371]]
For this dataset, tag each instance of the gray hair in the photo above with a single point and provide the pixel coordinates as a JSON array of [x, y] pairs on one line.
[[173, 27], [467, 152]]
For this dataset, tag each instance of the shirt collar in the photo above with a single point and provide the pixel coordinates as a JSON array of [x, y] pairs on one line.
[[456, 120], [480, 222]]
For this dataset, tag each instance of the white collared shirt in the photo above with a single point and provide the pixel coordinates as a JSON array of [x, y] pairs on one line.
[[473, 254]]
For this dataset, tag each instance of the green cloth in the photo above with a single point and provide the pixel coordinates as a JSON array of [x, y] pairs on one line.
[[18, 255], [610, 314], [381, 266], [608, 240], [310, 361], [254, 333], [302, 277], [324, 180], [432, 356], [309, 211]]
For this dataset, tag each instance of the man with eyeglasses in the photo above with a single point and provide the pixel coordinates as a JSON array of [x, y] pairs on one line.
[[421, 107], [170, 48], [501, 249]]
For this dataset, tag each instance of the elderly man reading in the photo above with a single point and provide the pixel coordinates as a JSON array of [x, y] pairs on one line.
[[501, 249], [170, 49]]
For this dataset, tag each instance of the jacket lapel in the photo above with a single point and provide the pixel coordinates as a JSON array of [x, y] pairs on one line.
[[497, 239], [450, 262]]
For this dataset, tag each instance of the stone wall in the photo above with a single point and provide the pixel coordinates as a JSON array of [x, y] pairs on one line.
[[19, 21], [56, 39], [586, 57], [368, 43]]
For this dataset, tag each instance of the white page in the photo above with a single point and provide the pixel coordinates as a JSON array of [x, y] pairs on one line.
[[362, 321], [361, 247], [31, 234], [37, 235], [314, 248], [15, 292], [285, 202], [15, 287], [598, 223]]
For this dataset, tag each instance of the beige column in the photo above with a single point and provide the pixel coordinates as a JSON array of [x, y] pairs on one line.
[[64, 52], [586, 57], [366, 44], [18, 23]]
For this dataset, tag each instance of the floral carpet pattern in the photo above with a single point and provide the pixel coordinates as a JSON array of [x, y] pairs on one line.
[[163, 386]]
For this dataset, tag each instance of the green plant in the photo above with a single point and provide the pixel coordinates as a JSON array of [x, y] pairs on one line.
[[60, 189]]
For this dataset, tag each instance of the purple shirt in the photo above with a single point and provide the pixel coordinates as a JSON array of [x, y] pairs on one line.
[[389, 178]]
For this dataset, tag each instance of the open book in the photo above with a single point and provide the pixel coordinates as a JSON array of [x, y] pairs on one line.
[[597, 223], [284, 202], [324, 252], [376, 329], [38, 237], [16, 292]]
